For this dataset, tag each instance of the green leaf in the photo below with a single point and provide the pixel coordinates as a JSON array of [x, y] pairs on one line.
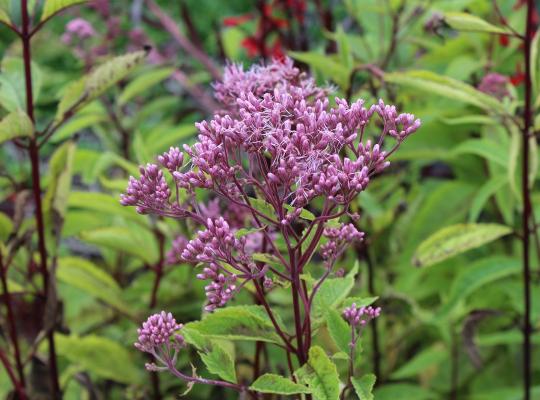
[[393, 391], [88, 277], [143, 82], [320, 375], [14, 125], [4, 14], [81, 92], [52, 7], [339, 330], [364, 386], [338, 72], [332, 292], [219, 361], [456, 239], [476, 276], [13, 83], [466, 22], [60, 174], [421, 362], [487, 190], [76, 125], [277, 384], [444, 86], [248, 231], [6, 227], [103, 203], [101, 356], [237, 323], [485, 148], [126, 240], [535, 63]]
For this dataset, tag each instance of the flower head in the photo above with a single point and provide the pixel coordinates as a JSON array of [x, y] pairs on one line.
[[495, 85], [149, 192], [360, 316], [78, 28], [156, 331]]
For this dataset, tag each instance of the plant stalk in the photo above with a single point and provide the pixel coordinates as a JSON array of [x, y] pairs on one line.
[[527, 207], [36, 189]]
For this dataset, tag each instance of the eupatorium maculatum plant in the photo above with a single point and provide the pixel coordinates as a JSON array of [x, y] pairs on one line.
[[278, 167]]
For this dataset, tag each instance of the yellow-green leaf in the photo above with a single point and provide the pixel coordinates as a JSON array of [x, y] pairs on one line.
[[467, 22], [277, 384], [452, 240], [52, 7], [320, 375], [14, 125], [81, 92], [444, 86], [144, 82]]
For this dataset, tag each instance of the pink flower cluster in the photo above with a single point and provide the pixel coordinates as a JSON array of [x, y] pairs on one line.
[[278, 139], [157, 331], [338, 239], [78, 29], [360, 316]]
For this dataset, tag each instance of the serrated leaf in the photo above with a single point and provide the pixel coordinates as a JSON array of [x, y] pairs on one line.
[[332, 292], [456, 239], [14, 125], [101, 356], [219, 362], [364, 386], [320, 374], [444, 86], [52, 7], [93, 85], [471, 23], [88, 277], [277, 384], [237, 323], [144, 82], [339, 331]]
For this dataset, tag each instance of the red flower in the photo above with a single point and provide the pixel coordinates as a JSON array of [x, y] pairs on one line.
[[236, 20], [251, 45], [504, 40]]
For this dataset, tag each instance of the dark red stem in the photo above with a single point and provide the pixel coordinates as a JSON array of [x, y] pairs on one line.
[[36, 189], [527, 208], [21, 386]]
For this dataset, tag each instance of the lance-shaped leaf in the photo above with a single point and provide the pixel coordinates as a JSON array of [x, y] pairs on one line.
[[52, 7], [444, 86], [101, 356], [456, 239], [60, 174], [364, 386], [467, 22], [93, 85], [14, 125], [320, 375], [143, 82], [339, 330], [4, 13], [89, 278], [237, 323], [277, 384]]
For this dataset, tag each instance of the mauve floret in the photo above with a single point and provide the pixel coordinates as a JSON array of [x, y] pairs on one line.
[[220, 291], [148, 193], [172, 159], [360, 316], [338, 239], [495, 85], [175, 253], [78, 28], [216, 243], [157, 330]]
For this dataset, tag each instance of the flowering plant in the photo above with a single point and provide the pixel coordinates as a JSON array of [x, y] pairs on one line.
[[280, 166]]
